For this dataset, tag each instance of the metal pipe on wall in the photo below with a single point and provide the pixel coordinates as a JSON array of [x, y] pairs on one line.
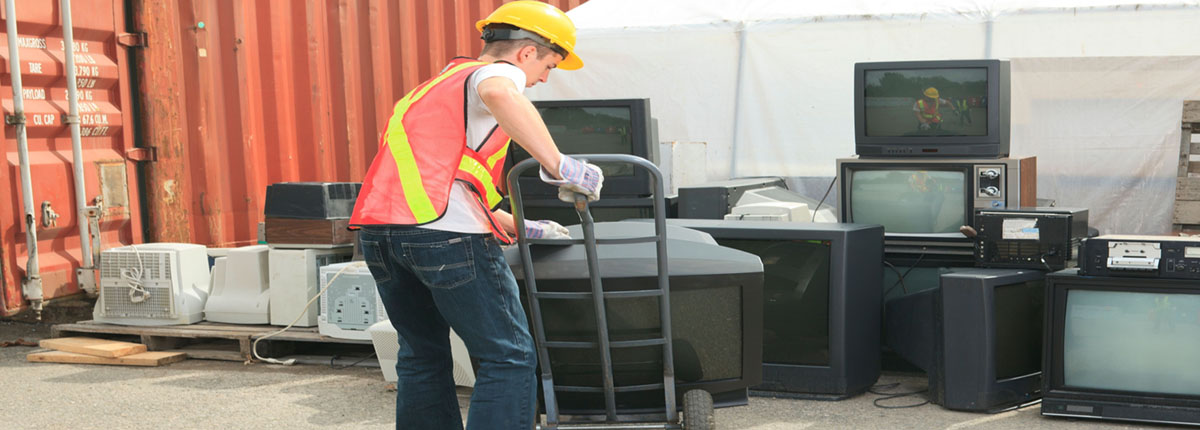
[[33, 279], [81, 210]]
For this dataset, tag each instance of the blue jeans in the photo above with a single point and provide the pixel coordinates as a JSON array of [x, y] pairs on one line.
[[431, 281]]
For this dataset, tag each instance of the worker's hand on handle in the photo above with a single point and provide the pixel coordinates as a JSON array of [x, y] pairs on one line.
[[577, 177], [545, 229]]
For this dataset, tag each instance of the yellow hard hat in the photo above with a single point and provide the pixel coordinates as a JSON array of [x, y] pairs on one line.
[[931, 92], [541, 18]]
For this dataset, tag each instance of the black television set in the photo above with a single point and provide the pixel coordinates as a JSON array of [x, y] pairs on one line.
[[820, 306], [923, 203], [716, 316], [609, 126], [977, 336], [1122, 348], [957, 108]]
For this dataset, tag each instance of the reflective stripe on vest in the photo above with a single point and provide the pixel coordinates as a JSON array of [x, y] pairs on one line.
[[929, 112], [423, 151]]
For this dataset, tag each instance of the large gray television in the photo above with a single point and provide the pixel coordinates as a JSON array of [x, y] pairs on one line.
[[716, 316]]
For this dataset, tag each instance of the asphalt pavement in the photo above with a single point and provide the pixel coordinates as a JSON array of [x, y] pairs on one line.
[[203, 394]]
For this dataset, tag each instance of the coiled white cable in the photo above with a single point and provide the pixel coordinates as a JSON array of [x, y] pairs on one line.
[[303, 309], [133, 278]]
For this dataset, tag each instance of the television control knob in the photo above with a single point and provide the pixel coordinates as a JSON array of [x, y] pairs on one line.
[[991, 191], [990, 173]]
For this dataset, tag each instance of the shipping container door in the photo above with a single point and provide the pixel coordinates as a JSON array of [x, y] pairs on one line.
[[102, 77]]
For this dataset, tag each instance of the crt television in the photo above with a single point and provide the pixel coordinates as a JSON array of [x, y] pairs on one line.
[[1122, 348], [617, 126], [978, 337], [820, 303], [716, 316], [954, 108], [922, 203]]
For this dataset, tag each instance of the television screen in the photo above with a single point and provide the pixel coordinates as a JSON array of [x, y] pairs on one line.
[[1132, 341], [588, 130], [926, 102], [909, 201], [1018, 310], [795, 298]]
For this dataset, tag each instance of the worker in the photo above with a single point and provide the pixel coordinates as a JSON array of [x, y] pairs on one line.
[[926, 110], [431, 232], [964, 110]]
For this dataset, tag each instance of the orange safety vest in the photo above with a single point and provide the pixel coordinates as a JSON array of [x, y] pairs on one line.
[[929, 110], [423, 152]]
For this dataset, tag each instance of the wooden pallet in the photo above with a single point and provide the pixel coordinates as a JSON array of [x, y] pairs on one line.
[[206, 340], [1186, 217]]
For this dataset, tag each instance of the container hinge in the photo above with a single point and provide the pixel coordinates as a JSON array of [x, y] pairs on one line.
[[132, 40], [142, 153]]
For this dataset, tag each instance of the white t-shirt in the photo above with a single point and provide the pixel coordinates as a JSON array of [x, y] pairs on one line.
[[464, 213]]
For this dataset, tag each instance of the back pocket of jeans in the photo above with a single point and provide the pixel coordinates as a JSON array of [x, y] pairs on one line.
[[446, 264]]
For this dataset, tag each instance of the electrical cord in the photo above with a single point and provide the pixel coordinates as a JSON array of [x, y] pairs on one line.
[[903, 288], [900, 281], [303, 309], [334, 366], [133, 278], [827, 190], [889, 396]]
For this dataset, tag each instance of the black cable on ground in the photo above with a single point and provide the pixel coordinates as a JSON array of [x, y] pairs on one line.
[[331, 359], [889, 396]]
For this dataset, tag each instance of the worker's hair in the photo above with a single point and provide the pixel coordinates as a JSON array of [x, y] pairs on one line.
[[500, 48]]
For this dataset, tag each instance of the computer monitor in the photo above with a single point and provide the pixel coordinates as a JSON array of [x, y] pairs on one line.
[[957, 108], [716, 316], [820, 303], [1121, 348], [780, 204], [714, 200], [977, 336], [616, 126], [923, 203]]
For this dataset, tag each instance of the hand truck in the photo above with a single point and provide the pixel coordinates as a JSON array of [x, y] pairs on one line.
[[698, 406]]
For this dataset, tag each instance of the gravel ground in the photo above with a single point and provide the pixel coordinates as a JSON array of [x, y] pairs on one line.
[[217, 394]]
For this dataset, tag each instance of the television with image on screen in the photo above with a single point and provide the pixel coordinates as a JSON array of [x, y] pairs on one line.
[[608, 126], [1122, 348], [957, 108]]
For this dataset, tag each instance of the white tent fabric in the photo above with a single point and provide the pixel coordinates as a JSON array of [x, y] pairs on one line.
[[1097, 91]]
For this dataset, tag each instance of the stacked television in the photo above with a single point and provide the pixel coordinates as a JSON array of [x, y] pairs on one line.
[[932, 158], [608, 126]]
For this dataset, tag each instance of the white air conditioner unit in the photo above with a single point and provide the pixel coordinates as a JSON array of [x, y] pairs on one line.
[[351, 303], [240, 291], [152, 284], [387, 349], [295, 279]]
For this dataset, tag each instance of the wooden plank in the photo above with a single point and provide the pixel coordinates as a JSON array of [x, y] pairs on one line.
[[151, 359], [308, 231], [1191, 111], [92, 346], [1028, 182], [1187, 189], [1186, 212]]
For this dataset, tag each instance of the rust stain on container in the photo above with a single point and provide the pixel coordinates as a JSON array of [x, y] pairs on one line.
[[106, 127], [275, 91]]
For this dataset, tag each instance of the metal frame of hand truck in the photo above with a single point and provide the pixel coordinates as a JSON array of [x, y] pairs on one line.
[[670, 418]]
